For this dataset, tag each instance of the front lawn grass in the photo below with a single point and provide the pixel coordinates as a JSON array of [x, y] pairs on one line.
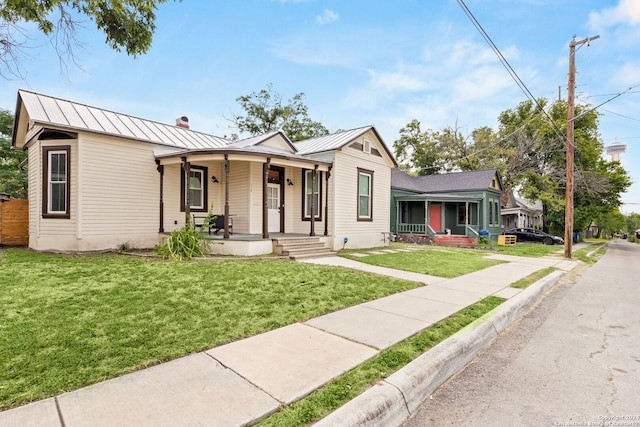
[[346, 387], [67, 321], [433, 260], [528, 249]]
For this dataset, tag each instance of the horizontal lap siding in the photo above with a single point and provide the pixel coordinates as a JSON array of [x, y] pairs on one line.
[[173, 218], [345, 187], [51, 233], [120, 188], [239, 195]]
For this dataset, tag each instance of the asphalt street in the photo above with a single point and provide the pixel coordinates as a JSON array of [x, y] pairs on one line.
[[572, 360]]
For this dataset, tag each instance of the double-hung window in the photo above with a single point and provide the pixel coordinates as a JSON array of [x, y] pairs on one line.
[[197, 189], [365, 195], [56, 182], [312, 192]]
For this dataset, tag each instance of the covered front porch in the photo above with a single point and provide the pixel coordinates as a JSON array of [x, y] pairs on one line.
[[256, 196], [437, 215]]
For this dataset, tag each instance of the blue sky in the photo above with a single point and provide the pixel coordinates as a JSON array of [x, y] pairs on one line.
[[360, 63]]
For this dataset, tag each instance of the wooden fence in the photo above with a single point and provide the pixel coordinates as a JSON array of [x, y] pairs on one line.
[[14, 222]]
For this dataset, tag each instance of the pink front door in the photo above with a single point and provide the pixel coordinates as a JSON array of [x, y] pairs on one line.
[[435, 217]]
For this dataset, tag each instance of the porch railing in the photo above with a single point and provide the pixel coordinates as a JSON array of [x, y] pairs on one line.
[[405, 228], [472, 231]]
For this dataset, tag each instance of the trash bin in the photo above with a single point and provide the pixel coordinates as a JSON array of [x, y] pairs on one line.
[[576, 236]]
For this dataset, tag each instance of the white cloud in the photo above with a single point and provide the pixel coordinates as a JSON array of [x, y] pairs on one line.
[[626, 75], [627, 12], [328, 16]]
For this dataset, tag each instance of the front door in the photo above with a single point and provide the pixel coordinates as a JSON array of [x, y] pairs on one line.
[[273, 207], [435, 217]]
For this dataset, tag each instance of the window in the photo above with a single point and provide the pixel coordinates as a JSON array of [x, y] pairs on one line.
[[55, 186], [472, 213], [196, 193], [197, 189], [366, 146], [494, 212], [365, 195], [491, 212], [317, 194]]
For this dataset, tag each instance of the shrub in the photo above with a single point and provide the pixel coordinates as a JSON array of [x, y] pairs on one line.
[[184, 243], [483, 237]]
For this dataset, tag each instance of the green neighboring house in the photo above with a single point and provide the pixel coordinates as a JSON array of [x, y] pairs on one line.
[[460, 203]]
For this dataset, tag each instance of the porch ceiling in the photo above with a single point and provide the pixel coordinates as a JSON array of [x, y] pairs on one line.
[[241, 155]]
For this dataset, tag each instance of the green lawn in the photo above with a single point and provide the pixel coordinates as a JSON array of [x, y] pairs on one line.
[[67, 321], [529, 249], [433, 260]]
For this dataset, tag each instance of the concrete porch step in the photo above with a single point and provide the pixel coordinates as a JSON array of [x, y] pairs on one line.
[[301, 247]]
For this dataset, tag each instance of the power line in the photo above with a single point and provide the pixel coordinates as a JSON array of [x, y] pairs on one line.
[[507, 66]]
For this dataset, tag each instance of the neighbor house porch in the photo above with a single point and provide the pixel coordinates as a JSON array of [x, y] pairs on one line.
[[437, 215]]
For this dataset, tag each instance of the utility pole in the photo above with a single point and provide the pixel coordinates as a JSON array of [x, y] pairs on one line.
[[570, 147]]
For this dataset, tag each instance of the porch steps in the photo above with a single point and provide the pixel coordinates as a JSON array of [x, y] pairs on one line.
[[301, 247], [454, 240]]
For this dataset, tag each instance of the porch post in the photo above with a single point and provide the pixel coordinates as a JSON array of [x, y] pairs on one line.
[[226, 197], [265, 206], [426, 217], [161, 171], [186, 170], [466, 218], [313, 205], [326, 202]]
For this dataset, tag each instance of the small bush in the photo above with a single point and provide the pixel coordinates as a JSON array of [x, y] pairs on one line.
[[184, 243]]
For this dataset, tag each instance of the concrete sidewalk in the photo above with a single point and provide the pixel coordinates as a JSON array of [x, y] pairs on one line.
[[244, 381]]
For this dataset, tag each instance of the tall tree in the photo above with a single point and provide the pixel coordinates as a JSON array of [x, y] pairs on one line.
[[536, 162], [13, 179], [417, 150], [127, 24], [265, 112]]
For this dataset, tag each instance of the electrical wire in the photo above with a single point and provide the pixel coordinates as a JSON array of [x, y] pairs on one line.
[[508, 67]]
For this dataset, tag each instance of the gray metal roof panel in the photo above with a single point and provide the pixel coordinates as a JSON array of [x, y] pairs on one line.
[[49, 110], [329, 142]]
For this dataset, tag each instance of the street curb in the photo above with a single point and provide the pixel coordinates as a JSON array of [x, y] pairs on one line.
[[397, 397]]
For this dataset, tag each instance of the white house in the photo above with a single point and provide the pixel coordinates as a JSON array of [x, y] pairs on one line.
[[99, 179], [520, 213]]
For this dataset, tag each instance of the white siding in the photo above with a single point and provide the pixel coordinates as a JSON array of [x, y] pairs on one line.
[[51, 234], [240, 196], [294, 204], [344, 185], [120, 187]]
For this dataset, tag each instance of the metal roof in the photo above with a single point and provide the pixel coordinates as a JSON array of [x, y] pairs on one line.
[[329, 142], [47, 110]]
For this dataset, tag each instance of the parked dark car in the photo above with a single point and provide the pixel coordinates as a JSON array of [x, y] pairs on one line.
[[533, 235]]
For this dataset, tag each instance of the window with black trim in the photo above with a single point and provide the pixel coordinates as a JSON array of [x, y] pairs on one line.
[[198, 198], [365, 195], [307, 195], [55, 181]]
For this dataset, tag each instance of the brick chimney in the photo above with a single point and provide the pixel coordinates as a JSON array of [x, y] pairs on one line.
[[182, 122]]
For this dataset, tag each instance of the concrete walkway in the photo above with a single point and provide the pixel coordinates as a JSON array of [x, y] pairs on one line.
[[244, 381]]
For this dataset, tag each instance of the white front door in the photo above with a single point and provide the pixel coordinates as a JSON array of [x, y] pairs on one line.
[[273, 206]]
